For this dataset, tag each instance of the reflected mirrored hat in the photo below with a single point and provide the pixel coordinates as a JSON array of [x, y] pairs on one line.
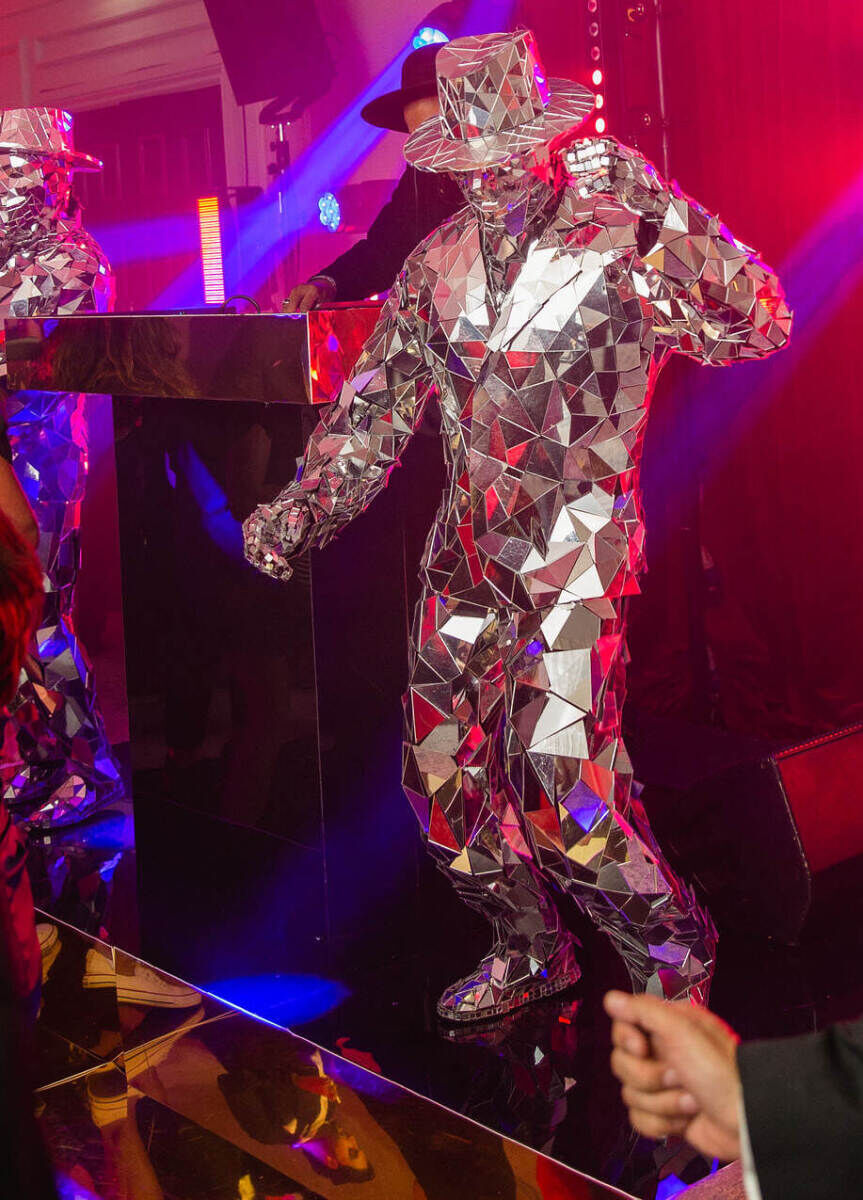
[[496, 101], [43, 133]]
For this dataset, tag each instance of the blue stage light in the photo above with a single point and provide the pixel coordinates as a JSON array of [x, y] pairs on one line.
[[330, 212], [283, 999], [428, 37], [71, 1189], [670, 1186]]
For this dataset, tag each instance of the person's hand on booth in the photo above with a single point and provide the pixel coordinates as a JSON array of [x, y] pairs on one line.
[[312, 294]]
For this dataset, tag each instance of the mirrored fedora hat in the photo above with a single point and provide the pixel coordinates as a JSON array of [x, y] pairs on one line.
[[496, 101], [43, 133]]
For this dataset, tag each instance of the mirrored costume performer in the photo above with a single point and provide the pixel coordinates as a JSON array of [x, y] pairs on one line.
[[541, 314], [52, 266]]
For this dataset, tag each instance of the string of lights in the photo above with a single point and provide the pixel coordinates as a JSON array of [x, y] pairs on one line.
[[597, 77]]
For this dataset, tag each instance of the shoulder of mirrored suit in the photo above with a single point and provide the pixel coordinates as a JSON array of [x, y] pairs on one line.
[[439, 253]]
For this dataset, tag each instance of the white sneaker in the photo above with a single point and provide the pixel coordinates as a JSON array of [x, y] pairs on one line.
[[99, 968], [156, 1046], [146, 987], [49, 946]]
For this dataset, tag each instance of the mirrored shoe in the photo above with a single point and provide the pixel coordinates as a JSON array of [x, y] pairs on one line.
[[74, 800], [31, 784], [506, 979]]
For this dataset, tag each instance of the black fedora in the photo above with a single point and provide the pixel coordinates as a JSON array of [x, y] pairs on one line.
[[419, 80]]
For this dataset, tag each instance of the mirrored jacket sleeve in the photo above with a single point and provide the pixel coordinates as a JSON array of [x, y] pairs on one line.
[[361, 437], [713, 298]]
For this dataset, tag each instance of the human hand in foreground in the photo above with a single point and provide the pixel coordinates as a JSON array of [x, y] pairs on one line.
[[306, 296], [271, 536], [678, 1067]]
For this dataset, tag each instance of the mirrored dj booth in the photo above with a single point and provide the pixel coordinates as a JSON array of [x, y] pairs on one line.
[[255, 712]]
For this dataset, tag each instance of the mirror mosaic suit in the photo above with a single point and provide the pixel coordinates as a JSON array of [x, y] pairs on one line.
[[542, 350], [51, 266]]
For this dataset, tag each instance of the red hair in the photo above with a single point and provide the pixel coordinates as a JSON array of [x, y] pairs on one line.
[[20, 605]]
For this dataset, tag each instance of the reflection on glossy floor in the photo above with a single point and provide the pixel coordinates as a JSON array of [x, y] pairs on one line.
[[276, 863], [540, 1078], [151, 1090]]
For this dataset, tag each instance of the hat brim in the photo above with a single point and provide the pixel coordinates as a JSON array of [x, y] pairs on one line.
[[431, 148], [387, 111], [76, 160]]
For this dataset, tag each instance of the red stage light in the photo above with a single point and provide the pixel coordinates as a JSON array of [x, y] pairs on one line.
[[600, 125], [600, 100], [211, 250], [597, 77]]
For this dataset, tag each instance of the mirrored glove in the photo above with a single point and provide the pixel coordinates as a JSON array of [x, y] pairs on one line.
[[597, 165], [273, 534]]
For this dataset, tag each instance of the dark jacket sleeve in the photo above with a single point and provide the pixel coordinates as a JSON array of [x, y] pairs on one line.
[[804, 1108], [418, 205]]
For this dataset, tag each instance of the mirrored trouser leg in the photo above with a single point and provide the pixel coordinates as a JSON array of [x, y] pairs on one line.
[[454, 710], [565, 759], [69, 770]]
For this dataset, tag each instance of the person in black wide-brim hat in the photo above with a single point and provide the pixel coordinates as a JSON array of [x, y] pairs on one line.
[[420, 202]]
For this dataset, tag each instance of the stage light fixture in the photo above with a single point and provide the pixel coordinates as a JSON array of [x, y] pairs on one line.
[[600, 125], [329, 212], [597, 77], [429, 37], [209, 228]]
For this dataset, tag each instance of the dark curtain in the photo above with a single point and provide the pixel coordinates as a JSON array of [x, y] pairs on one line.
[[751, 611]]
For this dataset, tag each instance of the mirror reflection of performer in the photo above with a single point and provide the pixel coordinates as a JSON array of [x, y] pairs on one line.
[[542, 313], [52, 267]]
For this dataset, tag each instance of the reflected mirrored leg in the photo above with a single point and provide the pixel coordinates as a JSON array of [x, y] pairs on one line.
[[69, 769]]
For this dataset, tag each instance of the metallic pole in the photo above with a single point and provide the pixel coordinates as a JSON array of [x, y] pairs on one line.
[[660, 80]]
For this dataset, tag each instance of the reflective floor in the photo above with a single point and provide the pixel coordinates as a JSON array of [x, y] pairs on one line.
[[540, 1077], [151, 1090]]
